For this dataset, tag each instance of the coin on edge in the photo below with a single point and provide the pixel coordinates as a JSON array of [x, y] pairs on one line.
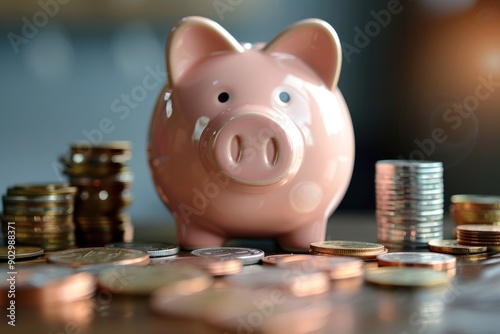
[[99, 255], [406, 277], [451, 247], [246, 255]]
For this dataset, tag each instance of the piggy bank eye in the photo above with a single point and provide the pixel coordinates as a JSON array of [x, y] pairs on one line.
[[223, 97], [284, 97]]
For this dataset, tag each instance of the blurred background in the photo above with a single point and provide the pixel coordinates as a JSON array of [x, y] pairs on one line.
[[421, 79]]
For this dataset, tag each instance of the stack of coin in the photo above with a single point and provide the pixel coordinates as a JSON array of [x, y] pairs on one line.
[[409, 202], [103, 179], [366, 251], [475, 209], [40, 215], [479, 235]]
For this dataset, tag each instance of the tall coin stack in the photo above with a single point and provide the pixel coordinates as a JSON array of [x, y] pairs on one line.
[[40, 215], [103, 178], [409, 202]]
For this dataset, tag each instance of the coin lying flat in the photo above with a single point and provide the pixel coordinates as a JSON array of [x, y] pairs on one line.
[[406, 277], [246, 255], [343, 247], [227, 308], [144, 280], [296, 282], [272, 259], [337, 267], [38, 285], [99, 255], [414, 259], [214, 265], [21, 252], [451, 247], [154, 249]]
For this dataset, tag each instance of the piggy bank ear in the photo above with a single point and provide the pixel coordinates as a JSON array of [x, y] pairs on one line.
[[193, 39], [316, 43]]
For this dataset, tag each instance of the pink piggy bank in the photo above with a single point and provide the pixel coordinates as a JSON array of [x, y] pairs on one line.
[[251, 141]]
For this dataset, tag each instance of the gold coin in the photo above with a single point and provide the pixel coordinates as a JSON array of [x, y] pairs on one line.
[[42, 188], [452, 247], [99, 255], [343, 247], [20, 252], [144, 280], [406, 277]]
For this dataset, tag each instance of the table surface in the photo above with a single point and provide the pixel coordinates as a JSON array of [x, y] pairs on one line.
[[469, 304]]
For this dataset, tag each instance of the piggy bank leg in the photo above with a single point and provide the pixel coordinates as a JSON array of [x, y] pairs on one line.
[[191, 236], [299, 240]]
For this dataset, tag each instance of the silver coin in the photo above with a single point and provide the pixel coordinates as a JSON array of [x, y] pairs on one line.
[[409, 213], [36, 275], [410, 229], [246, 255], [410, 233], [409, 163], [154, 249], [394, 197], [405, 177], [407, 208], [397, 239], [412, 184], [414, 258], [409, 226]]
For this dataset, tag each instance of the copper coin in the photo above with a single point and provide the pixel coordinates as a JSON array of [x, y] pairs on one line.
[[44, 284], [271, 259], [481, 229], [99, 255], [337, 267], [414, 259]]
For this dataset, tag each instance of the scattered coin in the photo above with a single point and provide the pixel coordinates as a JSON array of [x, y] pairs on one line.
[[299, 283], [452, 247], [213, 265], [271, 259], [38, 285], [246, 255], [414, 259], [154, 249], [20, 252], [337, 267], [144, 280], [406, 277], [367, 251], [99, 255]]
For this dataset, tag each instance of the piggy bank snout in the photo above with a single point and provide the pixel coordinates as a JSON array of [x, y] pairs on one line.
[[253, 146]]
